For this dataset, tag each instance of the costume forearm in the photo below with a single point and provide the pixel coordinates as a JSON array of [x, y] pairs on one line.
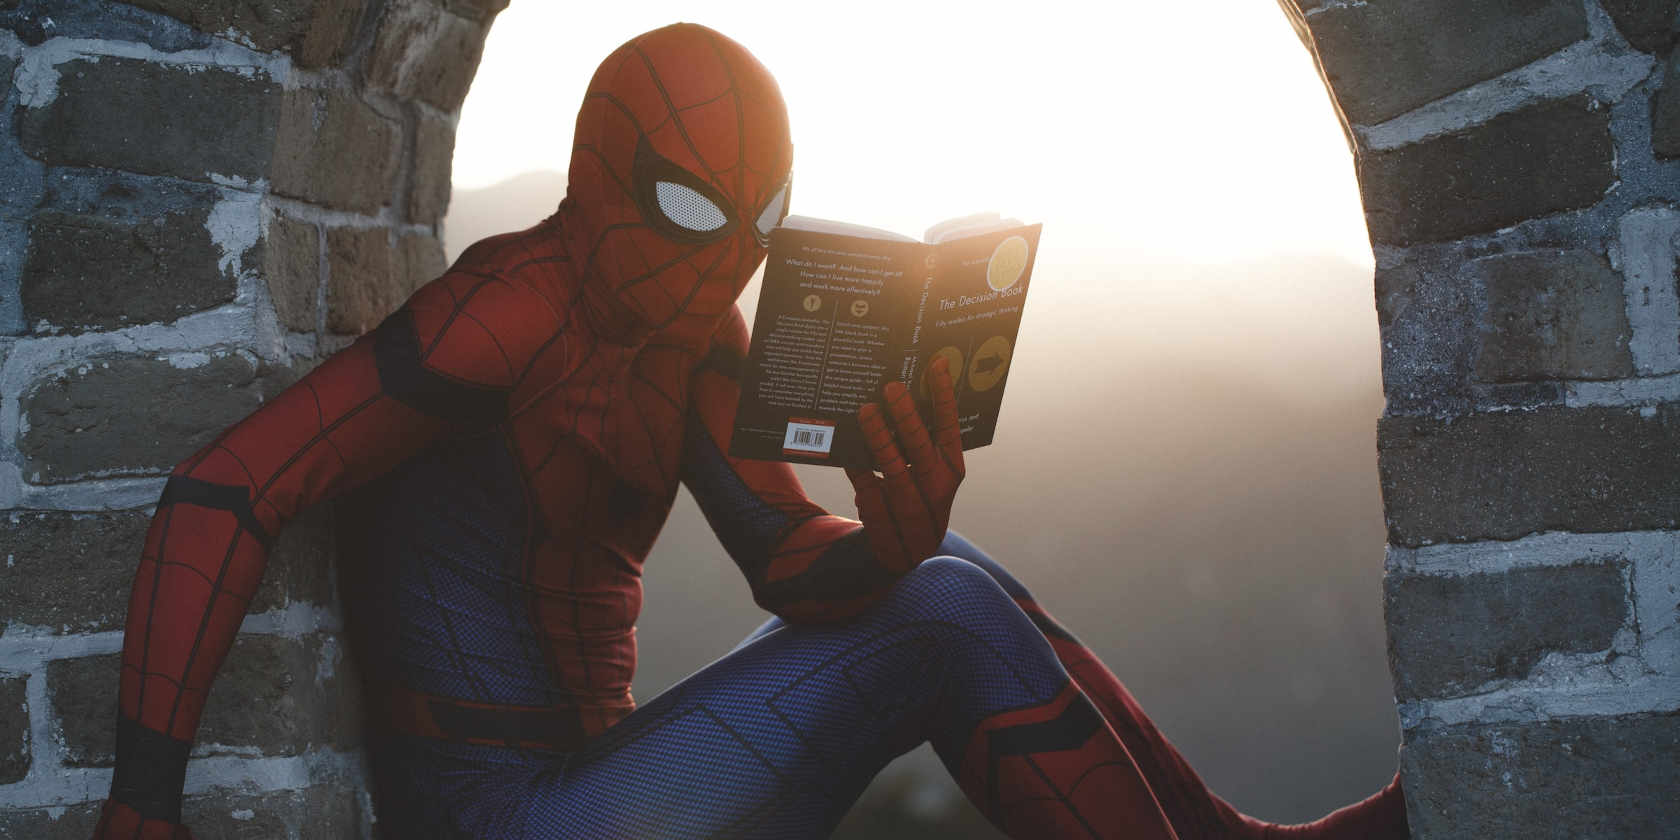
[[802, 563]]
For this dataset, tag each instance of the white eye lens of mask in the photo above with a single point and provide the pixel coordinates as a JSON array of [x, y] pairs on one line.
[[772, 212], [688, 208]]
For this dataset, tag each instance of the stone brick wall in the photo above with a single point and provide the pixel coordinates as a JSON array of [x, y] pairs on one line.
[[198, 201], [1519, 162]]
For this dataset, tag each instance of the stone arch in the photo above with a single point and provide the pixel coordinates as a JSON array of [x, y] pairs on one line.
[[199, 200]]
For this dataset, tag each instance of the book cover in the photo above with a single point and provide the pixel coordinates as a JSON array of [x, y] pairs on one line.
[[843, 309]]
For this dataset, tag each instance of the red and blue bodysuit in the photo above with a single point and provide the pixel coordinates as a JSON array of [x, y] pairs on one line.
[[504, 450]]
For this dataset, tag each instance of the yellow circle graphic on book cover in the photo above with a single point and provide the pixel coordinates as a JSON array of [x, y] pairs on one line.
[[1008, 260], [953, 363], [989, 364]]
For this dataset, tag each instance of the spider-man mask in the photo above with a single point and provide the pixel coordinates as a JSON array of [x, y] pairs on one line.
[[680, 168]]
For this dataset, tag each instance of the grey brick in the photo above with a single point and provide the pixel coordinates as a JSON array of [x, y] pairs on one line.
[[336, 150], [476, 9], [421, 261], [135, 415], [69, 572], [434, 152], [152, 118], [316, 32], [1503, 475], [279, 695], [323, 812], [112, 249], [86, 272], [292, 266], [330, 811], [73, 823], [1429, 314], [1665, 112], [422, 52], [371, 276], [1647, 24], [1386, 57], [301, 563], [265, 25], [83, 696], [1532, 162], [14, 728], [38, 20], [21, 184], [1552, 315], [1448, 636], [1571, 778], [331, 33]]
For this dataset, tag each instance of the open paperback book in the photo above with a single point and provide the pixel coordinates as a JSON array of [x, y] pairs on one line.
[[845, 307]]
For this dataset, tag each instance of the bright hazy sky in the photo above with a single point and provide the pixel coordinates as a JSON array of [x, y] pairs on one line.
[[1184, 131]]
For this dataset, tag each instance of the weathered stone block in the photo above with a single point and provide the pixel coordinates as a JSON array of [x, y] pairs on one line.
[[422, 52], [83, 696], [336, 150], [1429, 316], [434, 153], [300, 566], [332, 29], [87, 272], [1572, 778], [332, 811], [370, 276], [323, 812], [1647, 24], [14, 728], [264, 25], [1538, 160], [1552, 315], [1448, 636], [363, 284], [279, 695], [1665, 112], [422, 260], [315, 32], [73, 823], [292, 265], [20, 176], [1502, 475], [38, 20], [152, 118], [476, 9], [69, 572], [1386, 57], [20, 192], [136, 415]]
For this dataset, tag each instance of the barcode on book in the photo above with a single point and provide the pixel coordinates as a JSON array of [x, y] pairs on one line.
[[808, 437]]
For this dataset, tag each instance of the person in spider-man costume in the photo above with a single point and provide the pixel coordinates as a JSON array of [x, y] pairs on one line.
[[506, 447]]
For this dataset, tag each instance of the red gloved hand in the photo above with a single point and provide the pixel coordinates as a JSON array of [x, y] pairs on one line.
[[120, 822], [906, 509]]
